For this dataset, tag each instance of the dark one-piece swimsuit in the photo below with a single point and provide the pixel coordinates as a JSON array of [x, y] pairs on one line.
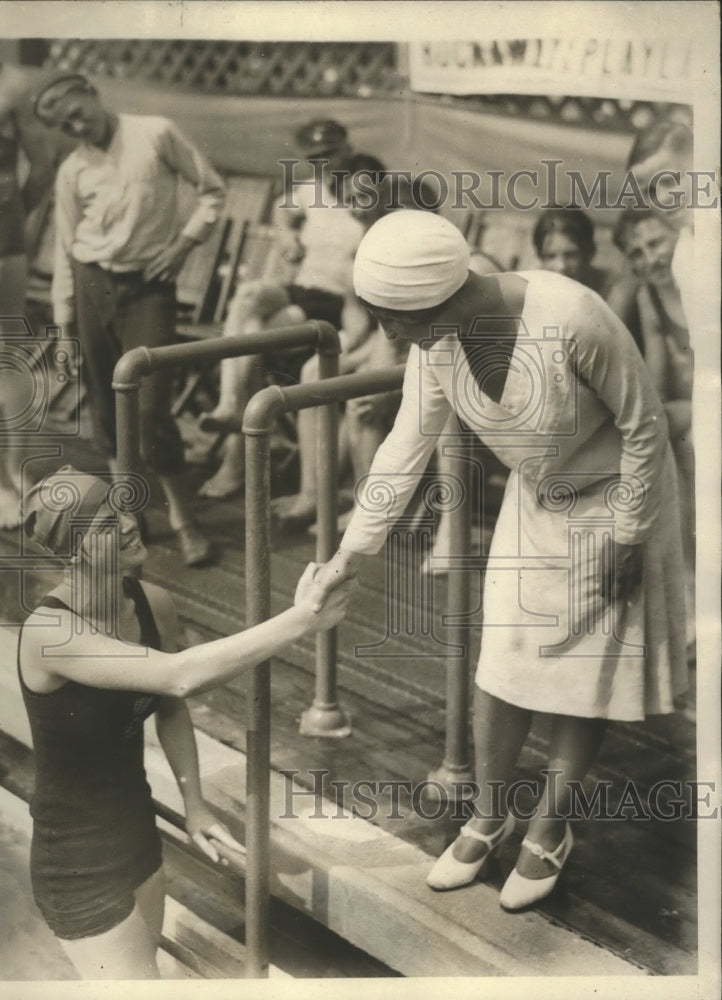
[[94, 833]]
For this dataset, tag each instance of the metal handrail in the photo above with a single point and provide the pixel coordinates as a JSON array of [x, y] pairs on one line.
[[127, 376], [141, 361], [324, 716], [259, 416]]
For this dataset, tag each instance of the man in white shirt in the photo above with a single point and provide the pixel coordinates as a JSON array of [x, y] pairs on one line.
[[120, 243]]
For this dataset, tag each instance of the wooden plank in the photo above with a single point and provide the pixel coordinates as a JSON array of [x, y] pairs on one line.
[[172, 966], [210, 952]]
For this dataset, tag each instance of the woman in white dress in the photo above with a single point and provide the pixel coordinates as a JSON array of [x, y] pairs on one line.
[[583, 593]]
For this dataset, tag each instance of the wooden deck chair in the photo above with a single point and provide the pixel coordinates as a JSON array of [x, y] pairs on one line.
[[208, 278]]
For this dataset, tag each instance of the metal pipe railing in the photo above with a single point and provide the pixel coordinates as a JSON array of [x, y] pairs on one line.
[[260, 414], [141, 361], [127, 376], [324, 717], [456, 771]]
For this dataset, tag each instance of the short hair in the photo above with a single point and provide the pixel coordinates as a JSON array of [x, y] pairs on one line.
[[665, 134], [630, 218], [321, 136], [570, 221], [65, 83]]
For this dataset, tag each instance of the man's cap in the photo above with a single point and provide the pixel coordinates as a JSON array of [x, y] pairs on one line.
[[53, 88]]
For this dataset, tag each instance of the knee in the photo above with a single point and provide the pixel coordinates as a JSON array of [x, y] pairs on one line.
[[254, 299]]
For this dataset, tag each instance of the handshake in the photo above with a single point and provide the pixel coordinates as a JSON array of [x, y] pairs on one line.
[[325, 588]]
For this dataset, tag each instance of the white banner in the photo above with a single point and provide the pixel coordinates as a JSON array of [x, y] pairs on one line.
[[658, 69]]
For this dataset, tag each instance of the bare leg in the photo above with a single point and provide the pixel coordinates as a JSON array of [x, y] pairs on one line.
[[575, 743], [196, 549], [150, 897], [364, 440], [252, 306], [124, 952], [229, 477], [500, 730], [176, 496], [301, 508], [241, 378]]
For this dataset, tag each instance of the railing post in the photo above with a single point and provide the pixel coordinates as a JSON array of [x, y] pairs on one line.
[[258, 708], [126, 383], [325, 717], [455, 771]]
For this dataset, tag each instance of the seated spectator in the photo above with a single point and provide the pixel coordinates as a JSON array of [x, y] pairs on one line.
[[661, 161], [649, 245], [564, 243], [322, 240], [365, 421]]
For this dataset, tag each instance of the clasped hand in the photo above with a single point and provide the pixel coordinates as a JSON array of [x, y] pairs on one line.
[[325, 589]]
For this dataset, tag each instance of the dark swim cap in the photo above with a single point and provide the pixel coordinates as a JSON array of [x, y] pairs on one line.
[[59, 510]]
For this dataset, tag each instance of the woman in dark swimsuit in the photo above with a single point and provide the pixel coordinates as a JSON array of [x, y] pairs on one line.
[[95, 659]]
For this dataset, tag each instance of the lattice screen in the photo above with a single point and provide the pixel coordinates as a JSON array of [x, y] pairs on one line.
[[321, 69], [304, 69], [587, 111]]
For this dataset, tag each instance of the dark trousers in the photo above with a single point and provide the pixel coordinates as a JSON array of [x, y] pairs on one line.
[[115, 313]]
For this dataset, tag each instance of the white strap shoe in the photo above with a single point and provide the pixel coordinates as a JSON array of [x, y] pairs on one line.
[[519, 891], [450, 873]]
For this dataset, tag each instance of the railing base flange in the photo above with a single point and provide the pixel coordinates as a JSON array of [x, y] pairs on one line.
[[330, 722], [454, 784]]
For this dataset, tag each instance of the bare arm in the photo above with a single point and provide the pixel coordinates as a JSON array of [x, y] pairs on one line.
[[175, 732], [61, 644]]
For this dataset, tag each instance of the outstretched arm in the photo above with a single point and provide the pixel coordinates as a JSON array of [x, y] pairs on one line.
[[58, 644], [384, 493]]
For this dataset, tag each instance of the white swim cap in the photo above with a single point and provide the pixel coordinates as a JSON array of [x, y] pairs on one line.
[[410, 260]]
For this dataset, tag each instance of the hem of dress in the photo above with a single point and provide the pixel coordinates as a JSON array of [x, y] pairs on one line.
[[513, 699]]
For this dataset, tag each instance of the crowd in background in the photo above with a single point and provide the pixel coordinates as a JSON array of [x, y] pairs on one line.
[[121, 241], [118, 253]]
